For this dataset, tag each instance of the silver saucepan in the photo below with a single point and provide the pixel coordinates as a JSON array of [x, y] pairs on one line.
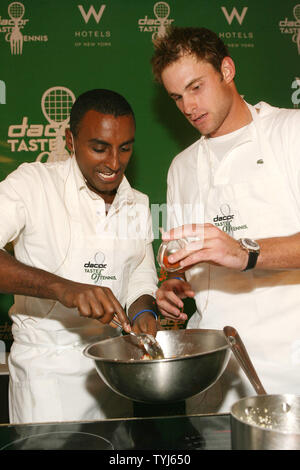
[[262, 422], [194, 360], [266, 422]]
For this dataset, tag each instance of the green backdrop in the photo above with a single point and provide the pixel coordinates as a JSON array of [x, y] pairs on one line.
[[85, 44]]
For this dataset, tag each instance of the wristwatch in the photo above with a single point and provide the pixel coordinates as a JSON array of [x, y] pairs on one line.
[[253, 249]]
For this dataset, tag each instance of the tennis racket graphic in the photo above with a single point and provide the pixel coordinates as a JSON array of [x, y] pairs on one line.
[[162, 12], [296, 37], [16, 12], [56, 106], [296, 11]]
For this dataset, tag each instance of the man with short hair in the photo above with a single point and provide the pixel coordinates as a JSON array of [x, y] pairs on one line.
[[242, 266], [83, 251]]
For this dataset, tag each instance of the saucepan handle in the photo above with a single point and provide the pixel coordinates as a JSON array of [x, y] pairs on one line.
[[241, 355]]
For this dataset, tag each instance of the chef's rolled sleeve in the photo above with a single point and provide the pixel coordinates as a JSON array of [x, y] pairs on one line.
[[144, 278], [12, 213]]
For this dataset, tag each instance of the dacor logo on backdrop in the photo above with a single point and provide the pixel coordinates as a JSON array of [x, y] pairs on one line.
[[2, 92], [157, 24], [46, 139], [292, 26], [13, 29], [92, 18], [296, 94], [236, 38]]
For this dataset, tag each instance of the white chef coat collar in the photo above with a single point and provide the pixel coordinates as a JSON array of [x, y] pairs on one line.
[[124, 194], [255, 130], [249, 135]]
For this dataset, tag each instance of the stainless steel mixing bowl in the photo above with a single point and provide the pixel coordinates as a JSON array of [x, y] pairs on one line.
[[194, 360]]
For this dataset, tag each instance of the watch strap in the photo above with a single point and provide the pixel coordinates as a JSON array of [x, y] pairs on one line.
[[253, 255]]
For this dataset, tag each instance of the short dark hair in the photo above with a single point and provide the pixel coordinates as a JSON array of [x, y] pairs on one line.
[[178, 41], [101, 100]]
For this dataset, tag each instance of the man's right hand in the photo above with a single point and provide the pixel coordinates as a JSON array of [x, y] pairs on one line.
[[168, 298], [93, 302], [90, 300]]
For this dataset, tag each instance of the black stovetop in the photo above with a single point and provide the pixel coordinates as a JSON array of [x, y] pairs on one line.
[[196, 432]]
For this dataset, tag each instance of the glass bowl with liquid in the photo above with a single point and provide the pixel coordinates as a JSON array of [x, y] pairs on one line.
[[166, 249]]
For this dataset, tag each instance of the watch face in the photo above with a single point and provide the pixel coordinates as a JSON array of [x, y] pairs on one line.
[[250, 244]]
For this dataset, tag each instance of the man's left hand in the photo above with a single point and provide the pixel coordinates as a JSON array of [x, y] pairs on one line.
[[145, 323]]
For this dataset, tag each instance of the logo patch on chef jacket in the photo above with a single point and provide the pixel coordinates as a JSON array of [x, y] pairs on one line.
[[225, 218], [96, 269]]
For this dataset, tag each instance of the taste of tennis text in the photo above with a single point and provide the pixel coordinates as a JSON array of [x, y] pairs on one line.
[[35, 132]]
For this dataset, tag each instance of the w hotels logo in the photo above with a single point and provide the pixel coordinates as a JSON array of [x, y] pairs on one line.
[[86, 15], [236, 36], [234, 14], [93, 36], [292, 27]]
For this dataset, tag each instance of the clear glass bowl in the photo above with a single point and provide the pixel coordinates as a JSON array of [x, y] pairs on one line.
[[166, 249]]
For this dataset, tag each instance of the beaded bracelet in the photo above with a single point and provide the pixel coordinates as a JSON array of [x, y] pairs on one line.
[[179, 278], [142, 311]]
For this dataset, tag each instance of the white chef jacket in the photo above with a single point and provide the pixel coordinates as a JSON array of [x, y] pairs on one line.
[[254, 192], [57, 224]]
